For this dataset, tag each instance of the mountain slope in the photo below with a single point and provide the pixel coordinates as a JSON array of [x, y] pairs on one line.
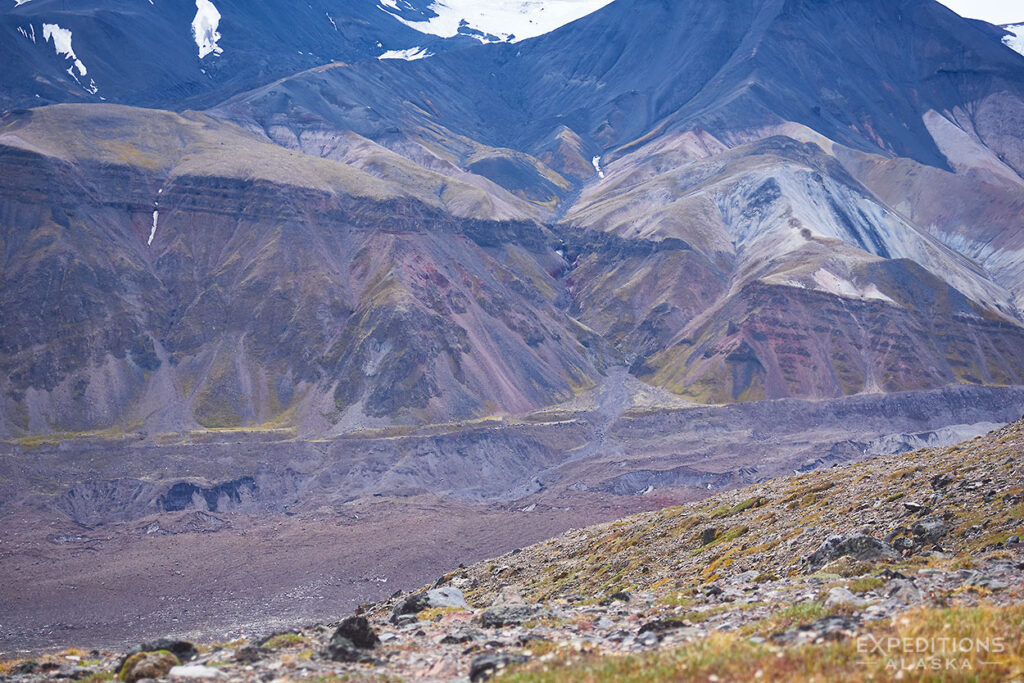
[[792, 579], [769, 169], [173, 54], [674, 189], [153, 262]]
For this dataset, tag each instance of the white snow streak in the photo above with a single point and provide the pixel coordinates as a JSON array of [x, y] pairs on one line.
[[507, 20], [409, 55], [597, 166], [61, 38], [152, 232], [1015, 41], [204, 28]]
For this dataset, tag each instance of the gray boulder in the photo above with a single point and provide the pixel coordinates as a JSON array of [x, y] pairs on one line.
[[860, 547], [435, 598], [929, 530]]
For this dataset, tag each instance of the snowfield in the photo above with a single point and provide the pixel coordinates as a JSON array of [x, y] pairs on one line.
[[1015, 41], [506, 20]]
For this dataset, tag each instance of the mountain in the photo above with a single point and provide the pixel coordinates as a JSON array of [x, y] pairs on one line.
[[893, 569], [176, 54], [173, 55], [770, 157], [734, 209], [429, 308]]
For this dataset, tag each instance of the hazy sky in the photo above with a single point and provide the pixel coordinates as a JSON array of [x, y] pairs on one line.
[[994, 11]]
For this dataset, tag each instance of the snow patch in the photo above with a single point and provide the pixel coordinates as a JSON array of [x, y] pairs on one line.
[[152, 231], [61, 38], [204, 28], [19, 3], [409, 55], [506, 20], [1015, 39], [597, 166]]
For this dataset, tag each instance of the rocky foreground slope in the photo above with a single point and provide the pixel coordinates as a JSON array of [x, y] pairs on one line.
[[907, 567]]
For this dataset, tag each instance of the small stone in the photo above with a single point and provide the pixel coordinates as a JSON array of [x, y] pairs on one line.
[[904, 589], [841, 596], [828, 628], [659, 626], [250, 655], [461, 637], [941, 481], [509, 615], [988, 582], [509, 595], [708, 536], [484, 667], [195, 672]]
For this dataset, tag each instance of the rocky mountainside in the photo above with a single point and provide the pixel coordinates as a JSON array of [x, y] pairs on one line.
[[491, 228], [821, 575]]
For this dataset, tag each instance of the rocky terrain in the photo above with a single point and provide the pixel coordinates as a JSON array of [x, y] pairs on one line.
[[790, 579], [368, 297], [142, 515]]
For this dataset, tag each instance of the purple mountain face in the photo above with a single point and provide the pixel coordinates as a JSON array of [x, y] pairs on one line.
[[399, 249]]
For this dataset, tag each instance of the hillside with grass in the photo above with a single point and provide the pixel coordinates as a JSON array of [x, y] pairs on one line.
[[907, 567]]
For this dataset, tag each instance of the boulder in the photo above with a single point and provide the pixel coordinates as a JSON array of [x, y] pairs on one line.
[[904, 589], [842, 596], [182, 649], [929, 530], [148, 665], [447, 597], [436, 598], [859, 547], [358, 631], [351, 641]]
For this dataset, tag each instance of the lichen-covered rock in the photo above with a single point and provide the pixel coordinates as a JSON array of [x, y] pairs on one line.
[[148, 665], [929, 530], [859, 547]]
